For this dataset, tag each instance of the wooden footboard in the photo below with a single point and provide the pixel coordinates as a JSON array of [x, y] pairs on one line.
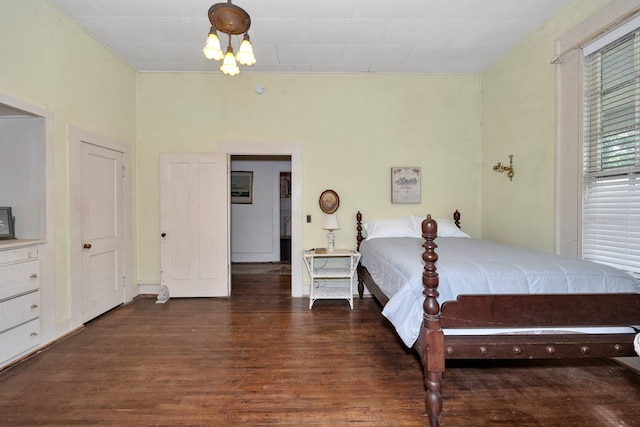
[[512, 311]]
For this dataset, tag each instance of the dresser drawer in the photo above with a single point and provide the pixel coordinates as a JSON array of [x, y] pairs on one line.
[[18, 254], [19, 340], [16, 311], [19, 278]]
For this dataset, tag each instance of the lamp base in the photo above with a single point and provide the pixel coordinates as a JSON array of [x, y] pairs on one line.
[[331, 242]]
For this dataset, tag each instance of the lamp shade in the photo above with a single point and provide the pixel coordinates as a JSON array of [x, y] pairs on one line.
[[331, 222]]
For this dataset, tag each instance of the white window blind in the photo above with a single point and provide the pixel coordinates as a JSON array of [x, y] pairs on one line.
[[611, 154]]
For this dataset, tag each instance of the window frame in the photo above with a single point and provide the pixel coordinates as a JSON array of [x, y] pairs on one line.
[[569, 61]]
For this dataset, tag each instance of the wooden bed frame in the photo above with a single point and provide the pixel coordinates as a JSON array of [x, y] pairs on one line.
[[495, 311]]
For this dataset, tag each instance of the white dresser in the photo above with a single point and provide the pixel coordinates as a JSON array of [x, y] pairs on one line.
[[19, 302]]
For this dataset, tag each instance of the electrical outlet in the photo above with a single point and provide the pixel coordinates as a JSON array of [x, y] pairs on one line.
[[308, 218]]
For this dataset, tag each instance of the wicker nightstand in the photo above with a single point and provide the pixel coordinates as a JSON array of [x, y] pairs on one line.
[[332, 274]]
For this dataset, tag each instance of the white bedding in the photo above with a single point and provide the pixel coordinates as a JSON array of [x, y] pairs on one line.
[[471, 266]]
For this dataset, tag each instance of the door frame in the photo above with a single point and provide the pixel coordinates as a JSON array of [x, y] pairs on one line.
[[293, 149], [77, 137]]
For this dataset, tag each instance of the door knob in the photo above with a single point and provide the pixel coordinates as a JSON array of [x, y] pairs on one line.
[[87, 246]]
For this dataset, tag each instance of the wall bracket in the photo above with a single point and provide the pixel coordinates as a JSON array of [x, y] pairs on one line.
[[499, 167]]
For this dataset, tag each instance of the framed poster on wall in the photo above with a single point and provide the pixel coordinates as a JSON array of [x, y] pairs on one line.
[[241, 187], [405, 185], [285, 185]]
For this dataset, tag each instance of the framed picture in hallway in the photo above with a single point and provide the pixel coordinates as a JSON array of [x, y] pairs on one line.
[[6, 224], [241, 187]]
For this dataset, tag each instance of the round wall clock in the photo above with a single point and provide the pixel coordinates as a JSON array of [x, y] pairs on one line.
[[329, 201]]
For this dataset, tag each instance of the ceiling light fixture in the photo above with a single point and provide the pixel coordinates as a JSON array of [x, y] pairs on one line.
[[231, 20]]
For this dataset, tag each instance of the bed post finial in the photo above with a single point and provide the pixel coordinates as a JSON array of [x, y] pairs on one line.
[[456, 218], [432, 345]]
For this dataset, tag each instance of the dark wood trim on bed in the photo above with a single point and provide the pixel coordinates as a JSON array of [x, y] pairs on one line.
[[481, 311], [359, 237], [514, 311], [372, 286]]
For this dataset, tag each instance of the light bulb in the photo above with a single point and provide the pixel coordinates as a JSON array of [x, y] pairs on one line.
[[211, 49], [245, 52], [229, 65]]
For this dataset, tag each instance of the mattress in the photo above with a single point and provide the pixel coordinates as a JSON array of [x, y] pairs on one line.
[[472, 266]]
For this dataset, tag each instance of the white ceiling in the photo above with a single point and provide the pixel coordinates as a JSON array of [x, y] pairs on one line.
[[406, 36]]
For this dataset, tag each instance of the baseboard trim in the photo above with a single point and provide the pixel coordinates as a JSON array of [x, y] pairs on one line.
[[148, 288]]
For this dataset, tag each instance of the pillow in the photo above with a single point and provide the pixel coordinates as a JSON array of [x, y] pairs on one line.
[[391, 227], [446, 227]]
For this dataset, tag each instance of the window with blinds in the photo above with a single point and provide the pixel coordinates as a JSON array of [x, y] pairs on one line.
[[611, 154]]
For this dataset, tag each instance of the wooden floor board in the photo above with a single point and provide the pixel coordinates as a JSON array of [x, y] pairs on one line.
[[261, 357]]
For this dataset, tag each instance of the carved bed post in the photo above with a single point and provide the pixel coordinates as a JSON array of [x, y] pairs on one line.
[[432, 345], [456, 218], [359, 239]]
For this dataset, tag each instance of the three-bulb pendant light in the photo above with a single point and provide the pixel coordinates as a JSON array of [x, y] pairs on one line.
[[231, 20]]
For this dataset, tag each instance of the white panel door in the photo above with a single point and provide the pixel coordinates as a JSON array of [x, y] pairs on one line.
[[102, 230], [194, 206]]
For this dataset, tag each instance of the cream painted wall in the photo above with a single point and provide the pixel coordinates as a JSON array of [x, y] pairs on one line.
[[50, 62], [518, 117], [353, 129]]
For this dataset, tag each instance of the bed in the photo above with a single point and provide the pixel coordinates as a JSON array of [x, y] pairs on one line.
[[474, 299]]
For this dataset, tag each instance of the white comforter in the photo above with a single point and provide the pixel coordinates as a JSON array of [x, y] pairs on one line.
[[471, 266]]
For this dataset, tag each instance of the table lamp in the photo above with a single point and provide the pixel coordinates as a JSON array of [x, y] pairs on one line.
[[331, 223]]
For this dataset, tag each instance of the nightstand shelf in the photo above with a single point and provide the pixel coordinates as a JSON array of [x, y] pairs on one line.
[[332, 274]]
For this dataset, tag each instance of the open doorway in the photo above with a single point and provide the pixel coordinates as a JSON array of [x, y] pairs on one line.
[[260, 214], [293, 151], [260, 221]]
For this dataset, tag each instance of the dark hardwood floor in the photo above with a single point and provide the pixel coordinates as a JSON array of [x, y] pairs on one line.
[[261, 357]]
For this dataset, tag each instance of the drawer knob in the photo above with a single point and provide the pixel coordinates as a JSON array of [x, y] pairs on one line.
[[34, 275], [34, 334], [87, 246], [34, 305]]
